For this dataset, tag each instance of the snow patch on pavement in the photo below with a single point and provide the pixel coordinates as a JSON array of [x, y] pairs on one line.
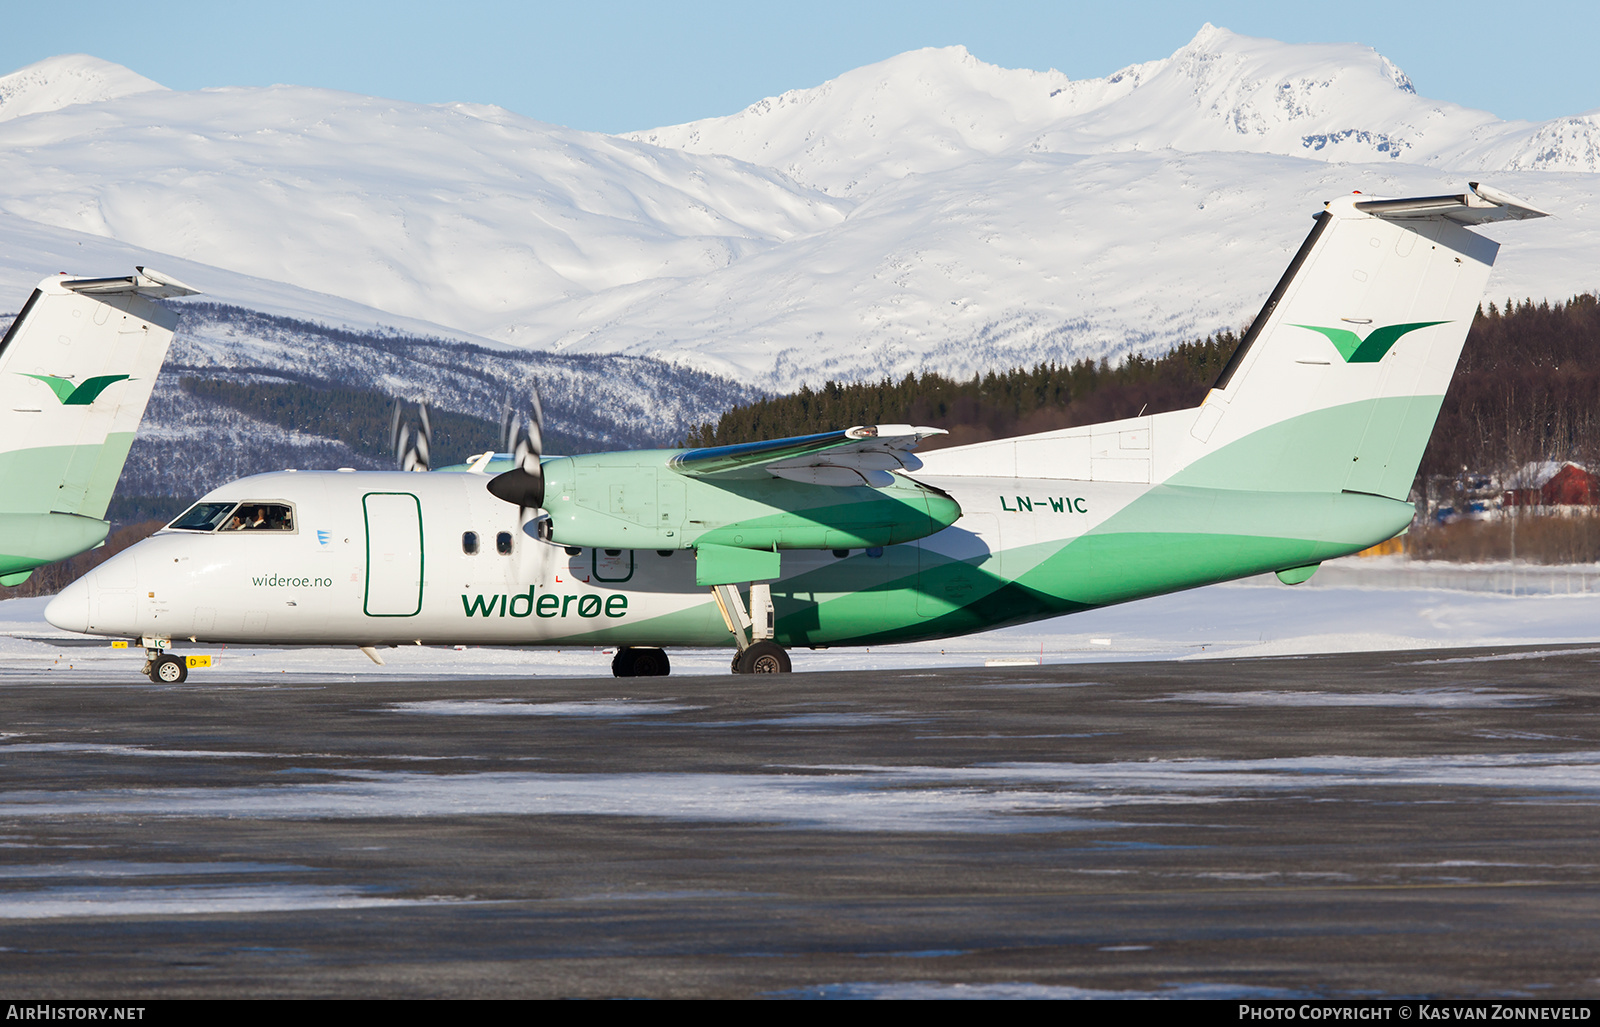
[[189, 900], [1005, 798], [1432, 698], [1014, 990], [518, 707]]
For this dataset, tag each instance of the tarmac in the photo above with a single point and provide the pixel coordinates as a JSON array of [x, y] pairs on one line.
[[1397, 824]]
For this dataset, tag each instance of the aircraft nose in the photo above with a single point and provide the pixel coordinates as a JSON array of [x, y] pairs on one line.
[[69, 610]]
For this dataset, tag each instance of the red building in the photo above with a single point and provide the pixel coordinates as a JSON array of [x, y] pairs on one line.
[[1552, 484]]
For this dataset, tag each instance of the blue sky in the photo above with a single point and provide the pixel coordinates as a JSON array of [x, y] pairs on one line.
[[611, 66]]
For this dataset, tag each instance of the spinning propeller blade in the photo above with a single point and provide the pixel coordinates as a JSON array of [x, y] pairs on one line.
[[524, 438], [412, 446]]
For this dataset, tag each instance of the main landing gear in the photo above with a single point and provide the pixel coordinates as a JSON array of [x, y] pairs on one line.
[[640, 663], [758, 653], [762, 658]]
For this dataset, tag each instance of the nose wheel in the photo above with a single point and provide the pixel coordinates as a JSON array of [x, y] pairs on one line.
[[167, 670]]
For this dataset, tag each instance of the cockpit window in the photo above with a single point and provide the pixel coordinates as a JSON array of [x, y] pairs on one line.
[[261, 517], [246, 516], [203, 517]]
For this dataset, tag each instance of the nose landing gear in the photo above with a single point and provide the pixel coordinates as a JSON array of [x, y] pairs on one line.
[[161, 668], [166, 670]]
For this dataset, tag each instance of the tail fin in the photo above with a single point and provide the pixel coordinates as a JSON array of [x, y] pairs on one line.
[[76, 369], [1338, 383]]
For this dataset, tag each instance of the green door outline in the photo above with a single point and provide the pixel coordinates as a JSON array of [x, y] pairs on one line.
[[366, 519]]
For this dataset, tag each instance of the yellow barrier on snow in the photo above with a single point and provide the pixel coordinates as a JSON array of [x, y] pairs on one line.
[[1389, 548]]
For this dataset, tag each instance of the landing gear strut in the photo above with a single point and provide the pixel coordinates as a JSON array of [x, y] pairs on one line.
[[640, 663], [758, 654], [161, 668]]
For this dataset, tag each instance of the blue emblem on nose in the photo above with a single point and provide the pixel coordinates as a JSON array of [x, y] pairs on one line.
[[322, 538]]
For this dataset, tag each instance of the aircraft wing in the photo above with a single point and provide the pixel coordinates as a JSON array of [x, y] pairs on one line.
[[863, 455]]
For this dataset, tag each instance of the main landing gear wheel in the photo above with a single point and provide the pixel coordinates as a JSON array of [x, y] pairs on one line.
[[640, 663], [762, 658], [168, 670]]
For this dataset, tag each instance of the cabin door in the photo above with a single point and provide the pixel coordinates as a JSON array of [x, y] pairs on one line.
[[394, 554]]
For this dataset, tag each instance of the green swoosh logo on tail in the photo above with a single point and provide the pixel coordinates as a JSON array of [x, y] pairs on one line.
[[1370, 350], [82, 395]]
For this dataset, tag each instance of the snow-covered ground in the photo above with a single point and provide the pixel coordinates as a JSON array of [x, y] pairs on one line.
[[1351, 606]]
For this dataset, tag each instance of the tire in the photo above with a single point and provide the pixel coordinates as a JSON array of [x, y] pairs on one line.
[[764, 658], [169, 670], [648, 663], [651, 663], [640, 663]]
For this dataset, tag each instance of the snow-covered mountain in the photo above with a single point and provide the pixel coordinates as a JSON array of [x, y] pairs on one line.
[[189, 443], [58, 82], [927, 212], [468, 216], [933, 110]]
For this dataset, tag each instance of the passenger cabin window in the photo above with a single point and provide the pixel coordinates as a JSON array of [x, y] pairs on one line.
[[469, 543], [247, 516], [502, 543]]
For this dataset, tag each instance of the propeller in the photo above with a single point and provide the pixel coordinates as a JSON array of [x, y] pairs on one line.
[[523, 485], [412, 444]]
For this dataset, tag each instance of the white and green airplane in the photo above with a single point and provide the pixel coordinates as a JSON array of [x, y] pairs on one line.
[[76, 370], [1303, 451]]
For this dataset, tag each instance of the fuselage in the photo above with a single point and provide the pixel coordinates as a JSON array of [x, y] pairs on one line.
[[376, 558]]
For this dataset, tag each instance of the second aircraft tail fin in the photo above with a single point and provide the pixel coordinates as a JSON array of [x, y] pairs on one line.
[[77, 367]]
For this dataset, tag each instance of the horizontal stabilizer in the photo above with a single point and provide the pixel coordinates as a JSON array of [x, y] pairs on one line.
[[863, 455], [143, 282], [1480, 205]]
